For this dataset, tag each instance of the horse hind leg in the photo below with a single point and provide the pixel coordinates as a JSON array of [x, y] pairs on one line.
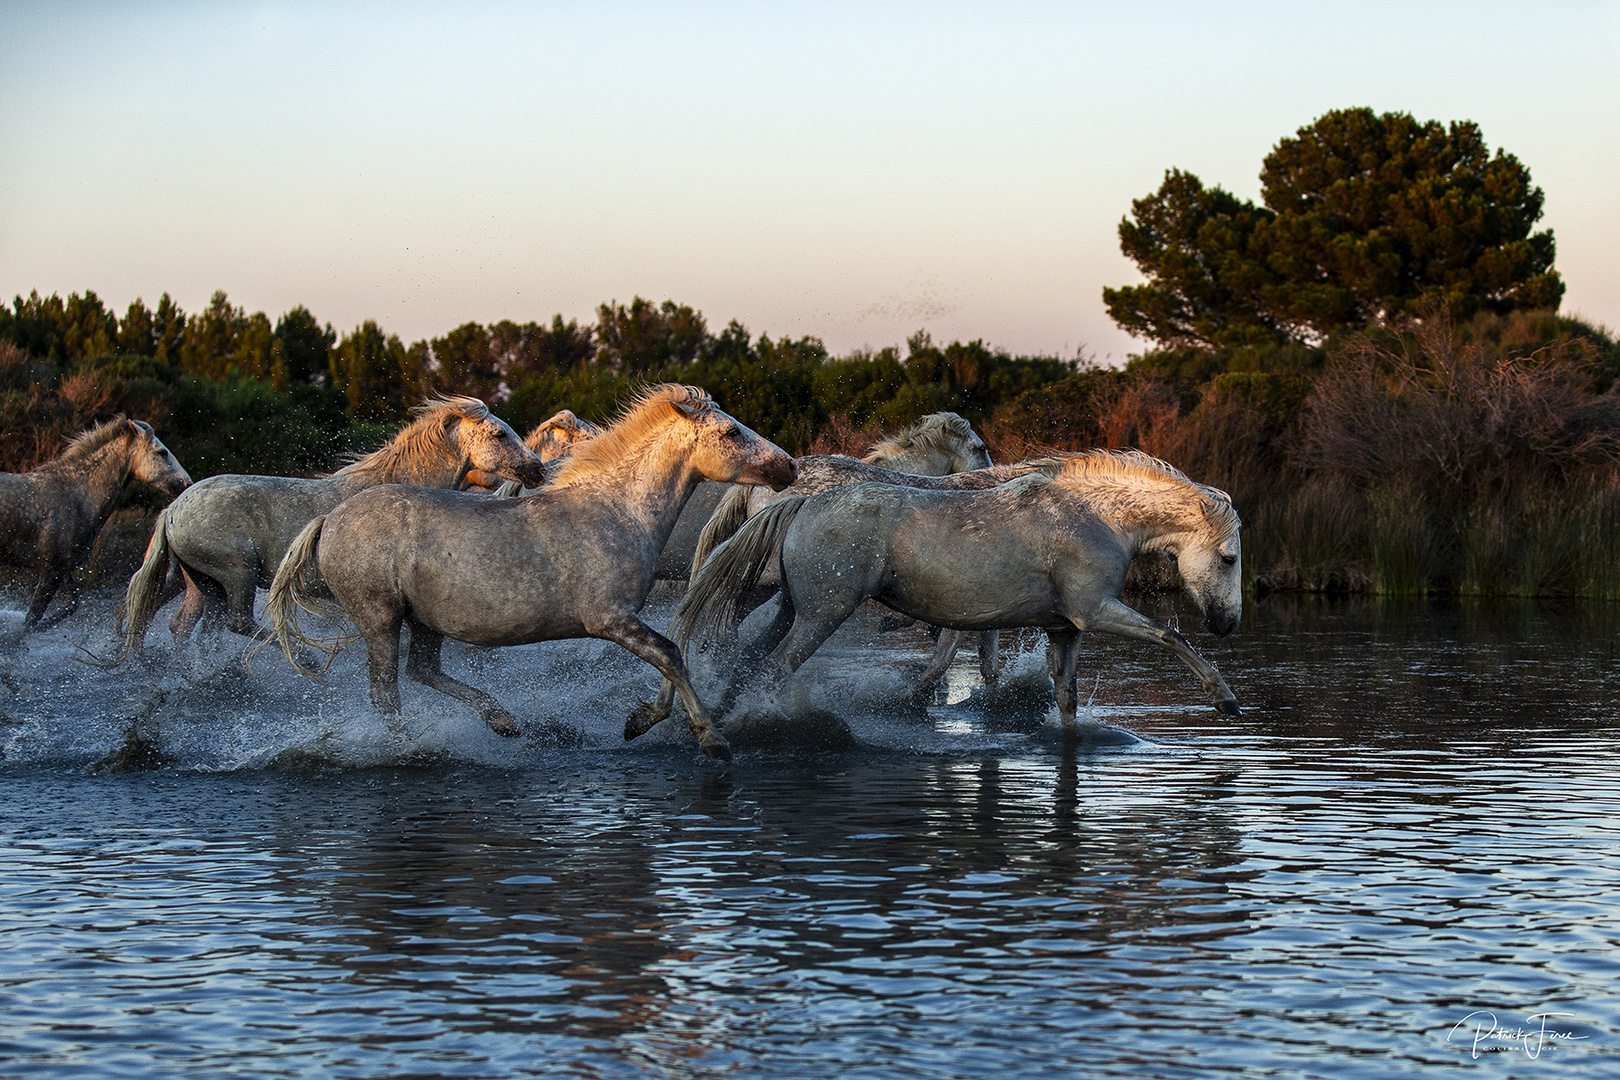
[[197, 604], [423, 667]]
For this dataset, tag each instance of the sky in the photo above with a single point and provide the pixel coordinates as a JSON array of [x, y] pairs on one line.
[[853, 172]]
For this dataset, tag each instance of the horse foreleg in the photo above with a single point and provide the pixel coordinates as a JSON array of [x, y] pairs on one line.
[[51, 579], [1062, 649], [423, 666], [648, 714], [625, 629], [1114, 617]]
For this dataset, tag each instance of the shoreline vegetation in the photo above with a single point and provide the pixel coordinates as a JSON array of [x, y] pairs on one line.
[[1431, 456]]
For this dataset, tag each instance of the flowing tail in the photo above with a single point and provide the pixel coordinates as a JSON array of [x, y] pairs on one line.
[[729, 514], [294, 588], [144, 595], [710, 603]]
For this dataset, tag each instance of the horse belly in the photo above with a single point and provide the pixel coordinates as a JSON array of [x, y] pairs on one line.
[[972, 580]]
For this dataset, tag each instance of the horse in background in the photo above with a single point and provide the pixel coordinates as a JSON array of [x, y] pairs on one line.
[[937, 445], [227, 534], [575, 559], [1047, 550], [552, 439], [50, 517]]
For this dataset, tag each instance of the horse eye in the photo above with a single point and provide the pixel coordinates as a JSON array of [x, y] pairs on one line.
[[1229, 559], [733, 433], [500, 433]]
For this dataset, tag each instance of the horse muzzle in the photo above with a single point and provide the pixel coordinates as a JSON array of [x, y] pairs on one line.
[[529, 475], [780, 472], [1221, 623]]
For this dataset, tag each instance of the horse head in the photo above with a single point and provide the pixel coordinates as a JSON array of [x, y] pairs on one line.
[[152, 463], [966, 449], [555, 437], [1211, 565], [727, 451], [489, 446]]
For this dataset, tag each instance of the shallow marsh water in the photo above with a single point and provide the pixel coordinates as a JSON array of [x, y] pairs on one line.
[[1413, 827]]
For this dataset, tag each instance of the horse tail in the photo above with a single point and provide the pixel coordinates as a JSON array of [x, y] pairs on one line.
[[729, 514], [293, 588], [710, 603], [142, 597]]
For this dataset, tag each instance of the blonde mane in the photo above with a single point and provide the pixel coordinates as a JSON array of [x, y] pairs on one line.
[[642, 420], [934, 433], [83, 446], [1124, 476], [421, 448]]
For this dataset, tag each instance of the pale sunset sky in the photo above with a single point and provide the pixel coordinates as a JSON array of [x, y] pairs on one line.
[[849, 171]]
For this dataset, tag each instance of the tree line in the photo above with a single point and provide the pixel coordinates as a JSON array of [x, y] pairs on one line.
[[1371, 360]]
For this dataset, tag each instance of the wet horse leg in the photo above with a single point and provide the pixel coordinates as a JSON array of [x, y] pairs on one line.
[[1062, 649], [1113, 617], [423, 666], [645, 715], [989, 655], [51, 578], [202, 597], [624, 628]]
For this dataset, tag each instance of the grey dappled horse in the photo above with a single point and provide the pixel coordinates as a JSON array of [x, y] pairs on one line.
[[574, 559], [50, 517], [227, 533], [1047, 550], [818, 473]]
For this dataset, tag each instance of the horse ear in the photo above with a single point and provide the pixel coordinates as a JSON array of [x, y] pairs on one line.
[[144, 426]]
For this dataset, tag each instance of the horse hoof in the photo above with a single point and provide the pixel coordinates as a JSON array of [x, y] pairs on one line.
[[1228, 708], [502, 723], [718, 749], [643, 718]]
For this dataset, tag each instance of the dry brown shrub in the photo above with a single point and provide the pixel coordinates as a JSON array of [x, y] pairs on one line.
[[1429, 405], [839, 436]]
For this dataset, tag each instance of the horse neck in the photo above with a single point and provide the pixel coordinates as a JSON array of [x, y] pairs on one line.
[[392, 467], [1146, 520], [915, 460], [653, 484], [105, 474]]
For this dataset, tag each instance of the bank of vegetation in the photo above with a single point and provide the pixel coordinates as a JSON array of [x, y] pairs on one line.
[[1371, 360]]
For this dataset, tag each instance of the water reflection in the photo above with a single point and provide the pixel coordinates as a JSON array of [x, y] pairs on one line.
[[1401, 829]]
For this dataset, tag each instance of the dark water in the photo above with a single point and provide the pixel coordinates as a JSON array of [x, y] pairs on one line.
[[1414, 826]]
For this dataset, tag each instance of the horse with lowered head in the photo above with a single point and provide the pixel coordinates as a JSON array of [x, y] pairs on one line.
[[50, 517], [226, 535], [1047, 550], [574, 559]]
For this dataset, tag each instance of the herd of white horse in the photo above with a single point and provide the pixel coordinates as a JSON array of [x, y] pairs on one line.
[[585, 520]]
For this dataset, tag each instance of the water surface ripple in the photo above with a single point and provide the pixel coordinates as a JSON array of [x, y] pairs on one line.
[[1414, 824]]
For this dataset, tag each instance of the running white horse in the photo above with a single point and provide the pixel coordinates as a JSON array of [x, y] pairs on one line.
[[573, 560], [1048, 550], [50, 517], [227, 534]]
